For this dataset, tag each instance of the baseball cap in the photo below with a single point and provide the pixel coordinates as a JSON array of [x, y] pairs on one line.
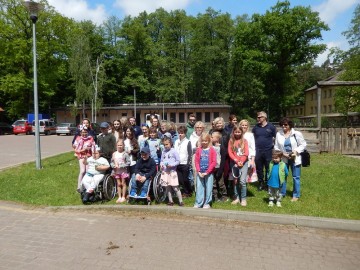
[[145, 150], [104, 125]]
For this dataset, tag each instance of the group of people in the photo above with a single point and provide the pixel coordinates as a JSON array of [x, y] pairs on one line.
[[215, 165]]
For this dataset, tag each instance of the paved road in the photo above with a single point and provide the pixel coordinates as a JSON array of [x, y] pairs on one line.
[[21, 148], [63, 239]]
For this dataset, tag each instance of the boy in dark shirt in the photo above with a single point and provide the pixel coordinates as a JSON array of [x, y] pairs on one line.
[[145, 168]]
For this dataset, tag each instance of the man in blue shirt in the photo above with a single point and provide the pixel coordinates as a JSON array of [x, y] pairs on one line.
[[264, 134]]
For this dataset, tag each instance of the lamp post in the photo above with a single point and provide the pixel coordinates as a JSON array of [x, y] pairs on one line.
[[34, 8]]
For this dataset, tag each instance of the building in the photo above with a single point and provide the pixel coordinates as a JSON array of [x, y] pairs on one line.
[[175, 112]]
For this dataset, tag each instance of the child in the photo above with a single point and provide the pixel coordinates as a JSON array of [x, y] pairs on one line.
[[169, 161], [83, 145], [154, 144], [219, 186], [238, 150], [278, 172], [205, 162], [183, 147], [131, 147], [121, 161], [95, 172]]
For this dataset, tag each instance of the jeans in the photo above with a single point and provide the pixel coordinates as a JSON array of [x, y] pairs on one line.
[[204, 186], [295, 171], [138, 188], [262, 159], [240, 186]]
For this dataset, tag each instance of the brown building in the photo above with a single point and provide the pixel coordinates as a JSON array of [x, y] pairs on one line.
[[175, 112]]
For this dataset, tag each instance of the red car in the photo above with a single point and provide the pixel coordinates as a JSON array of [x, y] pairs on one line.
[[22, 126]]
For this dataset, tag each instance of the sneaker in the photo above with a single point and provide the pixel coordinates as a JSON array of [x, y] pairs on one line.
[[122, 200], [119, 200], [196, 206], [237, 201], [133, 193], [181, 204], [271, 204], [294, 199], [278, 204], [170, 203], [243, 203], [207, 206]]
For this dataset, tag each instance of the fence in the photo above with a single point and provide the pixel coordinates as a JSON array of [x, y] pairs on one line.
[[344, 141]]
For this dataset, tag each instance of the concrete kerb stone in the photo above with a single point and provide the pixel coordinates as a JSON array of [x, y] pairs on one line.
[[299, 221]]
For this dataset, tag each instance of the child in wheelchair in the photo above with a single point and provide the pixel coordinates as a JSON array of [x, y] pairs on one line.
[[97, 166], [145, 170], [169, 161]]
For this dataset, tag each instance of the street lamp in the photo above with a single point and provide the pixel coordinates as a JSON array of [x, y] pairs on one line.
[[34, 8]]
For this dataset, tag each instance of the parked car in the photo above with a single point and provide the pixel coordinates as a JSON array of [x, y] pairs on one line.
[[46, 127], [66, 128], [22, 126], [5, 128]]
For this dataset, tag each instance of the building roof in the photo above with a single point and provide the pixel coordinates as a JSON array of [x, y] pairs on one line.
[[331, 78]]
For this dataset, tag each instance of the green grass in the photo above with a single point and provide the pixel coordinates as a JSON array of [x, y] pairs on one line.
[[329, 188]]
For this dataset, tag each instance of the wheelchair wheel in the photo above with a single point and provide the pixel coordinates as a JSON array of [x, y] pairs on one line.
[[159, 190], [109, 187]]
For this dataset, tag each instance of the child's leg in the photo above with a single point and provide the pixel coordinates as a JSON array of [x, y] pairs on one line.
[[200, 191], [271, 196], [178, 193], [82, 170], [242, 184], [123, 184], [118, 180], [209, 182], [168, 192]]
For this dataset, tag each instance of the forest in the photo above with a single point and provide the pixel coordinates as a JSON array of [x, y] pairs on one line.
[[251, 62]]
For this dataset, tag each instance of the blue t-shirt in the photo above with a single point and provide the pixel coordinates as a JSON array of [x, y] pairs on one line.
[[287, 145], [274, 179], [204, 160], [264, 136]]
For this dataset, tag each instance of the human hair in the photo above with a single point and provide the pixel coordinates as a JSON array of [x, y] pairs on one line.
[[205, 137], [192, 115], [152, 120], [233, 139], [217, 134], [286, 120], [262, 113], [199, 124], [277, 154], [232, 117], [218, 120], [133, 140], [182, 129], [164, 123], [244, 121], [120, 140], [153, 130], [172, 126], [124, 122], [166, 139]]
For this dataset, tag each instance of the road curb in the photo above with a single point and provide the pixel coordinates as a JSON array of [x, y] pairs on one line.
[[299, 221]]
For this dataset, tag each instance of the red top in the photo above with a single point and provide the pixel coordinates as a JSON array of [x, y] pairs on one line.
[[212, 159], [236, 154]]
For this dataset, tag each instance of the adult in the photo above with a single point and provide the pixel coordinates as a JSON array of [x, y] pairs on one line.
[[117, 130], [190, 126], [85, 123], [164, 127], [291, 142], [131, 147], [137, 129], [144, 136], [231, 124], [264, 134], [84, 146], [245, 125], [154, 121], [195, 136], [106, 141]]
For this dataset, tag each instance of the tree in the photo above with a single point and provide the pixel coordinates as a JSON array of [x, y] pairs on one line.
[[274, 44]]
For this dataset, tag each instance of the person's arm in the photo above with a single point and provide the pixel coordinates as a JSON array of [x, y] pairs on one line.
[[152, 169], [301, 143], [222, 160], [232, 154], [244, 157], [176, 160], [189, 151], [197, 158]]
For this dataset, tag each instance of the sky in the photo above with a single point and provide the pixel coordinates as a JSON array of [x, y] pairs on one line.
[[336, 13]]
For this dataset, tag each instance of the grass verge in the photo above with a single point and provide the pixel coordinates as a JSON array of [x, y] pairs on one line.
[[330, 187]]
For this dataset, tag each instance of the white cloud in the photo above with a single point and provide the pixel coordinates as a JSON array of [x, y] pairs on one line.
[[322, 57], [134, 7], [79, 10], [330, 9]]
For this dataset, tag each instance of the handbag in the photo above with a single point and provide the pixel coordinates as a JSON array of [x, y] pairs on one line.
[[252, 175], [305, 156]]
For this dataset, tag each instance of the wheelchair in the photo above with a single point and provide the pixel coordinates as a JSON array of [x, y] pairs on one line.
[[105, 191], [159, 189], [137, 196]]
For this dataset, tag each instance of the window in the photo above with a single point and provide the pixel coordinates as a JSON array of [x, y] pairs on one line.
[[301, 111], [216, 114], [330, 108], [165, 117], [181, 117], [124, 114], [198, 116], [312, 96], [324, 109], [173, 117], [324, 93], [207, 117]]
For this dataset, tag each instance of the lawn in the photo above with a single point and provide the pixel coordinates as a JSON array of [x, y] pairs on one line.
[[330, 187]]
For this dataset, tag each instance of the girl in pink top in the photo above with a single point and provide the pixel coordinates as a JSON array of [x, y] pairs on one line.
[[205, 163], [238, 150], [83, 145]]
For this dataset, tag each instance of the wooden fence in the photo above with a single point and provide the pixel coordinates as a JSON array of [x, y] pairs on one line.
[[344, 141]]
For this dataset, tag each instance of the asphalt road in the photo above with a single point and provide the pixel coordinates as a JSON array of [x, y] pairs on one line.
[[17, 149]]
